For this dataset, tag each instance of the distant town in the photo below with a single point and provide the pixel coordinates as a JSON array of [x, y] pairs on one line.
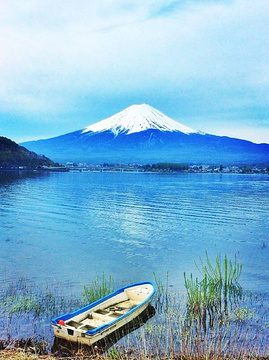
[[160, 167]]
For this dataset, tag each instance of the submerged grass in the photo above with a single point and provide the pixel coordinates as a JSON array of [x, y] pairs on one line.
[[215, 319], [27, 309], [162, 293], [212, 298]]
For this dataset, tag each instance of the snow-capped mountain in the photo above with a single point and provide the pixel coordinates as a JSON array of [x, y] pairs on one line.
[[142, 134], [138, 118]]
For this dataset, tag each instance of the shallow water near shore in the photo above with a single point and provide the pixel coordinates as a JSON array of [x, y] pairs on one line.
[[68, 228]]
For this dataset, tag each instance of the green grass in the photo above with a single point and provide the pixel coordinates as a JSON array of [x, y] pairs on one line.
[[211, 298], [98, 288]]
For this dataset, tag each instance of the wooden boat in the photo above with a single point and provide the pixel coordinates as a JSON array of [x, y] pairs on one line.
[[104, 316]]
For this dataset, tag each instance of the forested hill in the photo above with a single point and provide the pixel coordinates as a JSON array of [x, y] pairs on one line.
[[13, 155]]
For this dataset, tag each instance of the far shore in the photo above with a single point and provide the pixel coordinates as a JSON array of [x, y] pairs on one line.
[[163, 168]]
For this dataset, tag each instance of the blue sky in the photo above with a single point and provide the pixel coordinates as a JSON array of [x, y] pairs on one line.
[[67, 64]]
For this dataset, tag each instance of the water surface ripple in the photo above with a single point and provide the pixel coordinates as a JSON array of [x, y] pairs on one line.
[[70, 227]]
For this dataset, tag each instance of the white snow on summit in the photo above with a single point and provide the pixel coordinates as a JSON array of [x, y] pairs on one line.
[[138, 118]]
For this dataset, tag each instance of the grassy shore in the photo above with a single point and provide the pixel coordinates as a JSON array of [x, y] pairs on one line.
[[22, 354], [214, 319]]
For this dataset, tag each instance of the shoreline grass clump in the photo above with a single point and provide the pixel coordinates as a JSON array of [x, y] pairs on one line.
[[212, 297], [98, 288]]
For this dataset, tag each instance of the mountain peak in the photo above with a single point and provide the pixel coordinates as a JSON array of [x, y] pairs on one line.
[[137, 118]]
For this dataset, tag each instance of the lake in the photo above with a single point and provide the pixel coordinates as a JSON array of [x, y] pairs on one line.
[[67, 228]]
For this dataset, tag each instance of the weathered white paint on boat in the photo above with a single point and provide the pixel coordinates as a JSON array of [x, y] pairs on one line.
[[102, 317]]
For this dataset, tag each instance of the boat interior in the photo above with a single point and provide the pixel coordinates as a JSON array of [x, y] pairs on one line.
[[108, 310]]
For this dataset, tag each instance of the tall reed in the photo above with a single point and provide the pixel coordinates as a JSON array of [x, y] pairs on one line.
[[211, 298], [98, 288], [161, 300]]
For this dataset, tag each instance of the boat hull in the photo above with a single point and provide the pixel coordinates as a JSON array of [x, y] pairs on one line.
[[103, 317]]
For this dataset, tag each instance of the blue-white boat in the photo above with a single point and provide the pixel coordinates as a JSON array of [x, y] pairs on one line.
[[104, 316]]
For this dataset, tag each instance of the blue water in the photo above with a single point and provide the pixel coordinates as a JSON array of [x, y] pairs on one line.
[[67, 228]]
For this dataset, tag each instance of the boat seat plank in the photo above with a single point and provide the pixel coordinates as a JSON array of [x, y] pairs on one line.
[[106, 318], [128, 304], [95, 322]]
